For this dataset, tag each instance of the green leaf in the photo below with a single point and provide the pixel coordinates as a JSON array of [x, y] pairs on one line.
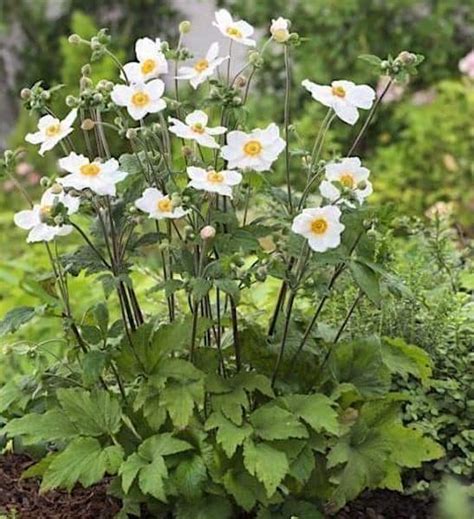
[[151, 478], [367, 280], [406, 359], [274, 423], [303, 465], [92, 366], [94, 414], [209, 507], [316, 410], [244, 488], [81, 461], [16, 318], [229, 435], [190, 477], [267, 464], [371, 59], [200, 288], [179, 400], [163, 445], [114, 455], [91, 334], [50, 426], [9, 393], [101, 314], [230, 287], [130, 469]]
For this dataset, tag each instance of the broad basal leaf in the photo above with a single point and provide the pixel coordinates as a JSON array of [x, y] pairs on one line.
[[316, 410], [274, 423], [228, 435]]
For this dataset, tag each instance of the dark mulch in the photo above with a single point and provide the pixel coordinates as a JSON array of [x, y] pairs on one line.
[[385, 504], [21, 496]]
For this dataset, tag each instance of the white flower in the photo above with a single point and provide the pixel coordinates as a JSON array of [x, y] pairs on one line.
[[320, 226], [207, 233], [466, 64], [203, 67], [237, 31], [140, 98], [256, 150], [212, 181], [351, 175], [196, 129], [280, 30], [99, 177], [344, 97], [158, 205], [51, 130], [35, 219], [151, 62]]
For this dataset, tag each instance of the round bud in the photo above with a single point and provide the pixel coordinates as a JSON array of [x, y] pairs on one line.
[[74, 39], [58, 219], [45, 182], [240, 82], [96, 45], [25, 94], [86, 70], [131, 134], [362, 185], [207, 233], [407, 58], [254, 57], [85, 83], [184, 26], [98, 98], [87, 124], [384, 65], [236, 101], [71, 101], [45, 95], [56, 188]]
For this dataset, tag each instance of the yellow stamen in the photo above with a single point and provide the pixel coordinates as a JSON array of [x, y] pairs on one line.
[[215, 177], [347, 180], [201, 65], [45, 212], [140, 99], [198, 128], [233, 31], [90, 170], [252, 148], [165, 205], [148, 66], [319, 226], [338, 91], [53, 130]]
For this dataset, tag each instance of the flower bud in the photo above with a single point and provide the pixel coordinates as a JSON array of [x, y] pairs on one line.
[[98, 98], [45, 182], [56, 188], [184, 26], [254, 58], [25, 94], [74, 39], [96, 45], [71, 101], [45, 95], [280, 30], [87, 124], [131, 134], [86, 70], [407, 58], [85, 83], [240, 82], [58, 219], [362, 185], [236, 101], [207, 233]]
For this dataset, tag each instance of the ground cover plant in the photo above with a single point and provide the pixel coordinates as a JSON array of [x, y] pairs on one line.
[[193, 401]]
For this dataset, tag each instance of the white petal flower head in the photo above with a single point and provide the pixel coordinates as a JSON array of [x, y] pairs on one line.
[[151, 62], [239, 31], [344, 97], [158, 205], [320, 226], [256, 150], [220, 182], [99, 177], [140, 99], [203, 68], [195, 128], [352, 176], [35, 219], [280, 30], [51, 130]]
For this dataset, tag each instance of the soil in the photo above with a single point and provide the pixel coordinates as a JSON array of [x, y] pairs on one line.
[[21, 497]]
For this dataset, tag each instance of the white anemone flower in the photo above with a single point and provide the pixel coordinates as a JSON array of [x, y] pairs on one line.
[[351, 175], [238, 31], [212, 181], [140, 98], [256, 150], [158, 205], [151, 62], [51, 130], [99, 177], [344, 97], [35, 219], [320, 226], [203, 68], [280, 30], [195, 128]]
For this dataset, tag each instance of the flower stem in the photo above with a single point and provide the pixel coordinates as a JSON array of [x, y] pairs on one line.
[[287, 124]]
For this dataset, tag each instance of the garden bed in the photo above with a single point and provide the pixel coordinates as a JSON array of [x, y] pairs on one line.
[[22, 496]]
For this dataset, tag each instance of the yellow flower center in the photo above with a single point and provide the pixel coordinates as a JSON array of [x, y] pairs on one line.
[[198, 128], [347, 180], [148, 66], [338, 91], [53, 129], [233, 31], [140, 99], [45, 212], [165, 205], [280, 35], [90, 170], [252, 148], [319, 226], [215, 177], [201, 65]]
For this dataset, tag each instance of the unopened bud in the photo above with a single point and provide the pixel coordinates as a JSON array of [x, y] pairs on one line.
[[46, 95], [98, 98], [74, 39], [407, 58], [184, 26], [85, 82], [87, 124], [254, 58], [58, 219], [131, 134], [71, 101], [207, 233], [96, 45], [86, 70], [362, 185], [240, 82], [56, 188], [25, 93], [45, 182]]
